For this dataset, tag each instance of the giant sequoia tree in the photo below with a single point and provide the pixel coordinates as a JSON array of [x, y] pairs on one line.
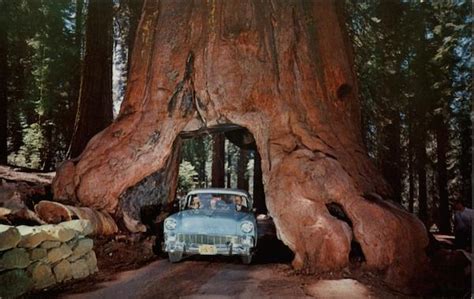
[[283, 70]]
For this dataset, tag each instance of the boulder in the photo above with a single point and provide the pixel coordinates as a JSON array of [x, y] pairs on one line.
[[50, 244], [82, 247], [59, 253], [82, 226], [32, 236], [16, 258], [14, 283], [63, 271], [9, 237], [42, 275], [37, 254], [79, 269], [91, 262], [59, 233]]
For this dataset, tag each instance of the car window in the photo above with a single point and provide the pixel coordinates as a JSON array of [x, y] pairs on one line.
[[217, 201]]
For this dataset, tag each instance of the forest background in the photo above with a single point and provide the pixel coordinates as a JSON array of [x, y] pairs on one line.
[[63, 75]]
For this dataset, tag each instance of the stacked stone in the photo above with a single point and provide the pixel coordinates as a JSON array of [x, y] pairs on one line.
[[37, 257]]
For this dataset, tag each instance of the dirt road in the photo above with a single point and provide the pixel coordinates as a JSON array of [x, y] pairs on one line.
[[202, 278]]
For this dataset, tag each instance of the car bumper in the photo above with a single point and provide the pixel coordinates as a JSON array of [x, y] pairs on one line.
[[220, 249]]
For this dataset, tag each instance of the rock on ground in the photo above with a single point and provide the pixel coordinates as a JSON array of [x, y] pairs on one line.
[[14, 283], [63, 271], [38, 254], [59, 253], [79, 269], [42, 275], [9, 237], [82, 247], [16, 258]]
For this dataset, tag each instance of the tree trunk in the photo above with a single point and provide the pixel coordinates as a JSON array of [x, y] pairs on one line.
[[421, 159], [258, 191], [442, 142], [242, 178], [17, 96], [411, 182], [283, 70], [218, 160], [94, 111], [78, 45], [135, 9], [391, 160], [4, 73], [465, 157]]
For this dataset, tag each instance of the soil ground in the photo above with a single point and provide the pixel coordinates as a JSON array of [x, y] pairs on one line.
[[129, 269]]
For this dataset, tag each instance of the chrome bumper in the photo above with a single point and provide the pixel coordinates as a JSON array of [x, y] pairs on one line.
[[243, 247]]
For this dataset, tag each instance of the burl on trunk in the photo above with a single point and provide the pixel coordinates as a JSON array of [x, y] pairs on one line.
[[284, 71]]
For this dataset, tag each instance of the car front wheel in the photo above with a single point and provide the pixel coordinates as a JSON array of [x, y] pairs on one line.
[[246, 259], [175, 257]]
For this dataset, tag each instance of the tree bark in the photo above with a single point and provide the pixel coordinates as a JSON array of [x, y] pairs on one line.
[[283, 70], [242, 178], [218, 160], [258, 191], [94, 111], [78, 44], [421, 159], [442, 141], [4, 73], [135, 9], [54, 212], [391, 159]]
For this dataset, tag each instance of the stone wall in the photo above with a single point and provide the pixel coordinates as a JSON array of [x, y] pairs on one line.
[[37, 257]]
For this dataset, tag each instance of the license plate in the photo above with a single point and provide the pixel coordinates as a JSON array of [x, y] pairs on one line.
[[207, 249]]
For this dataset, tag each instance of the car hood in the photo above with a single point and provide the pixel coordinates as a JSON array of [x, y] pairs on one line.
[[211, 222]]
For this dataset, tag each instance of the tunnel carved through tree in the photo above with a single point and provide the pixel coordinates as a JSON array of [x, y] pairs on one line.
[[284, 71]]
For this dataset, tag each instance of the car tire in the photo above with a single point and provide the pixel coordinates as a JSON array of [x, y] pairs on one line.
[[158, 250], [246, 259], [175, 257]]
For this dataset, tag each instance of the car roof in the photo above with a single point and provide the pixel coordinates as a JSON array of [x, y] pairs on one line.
[[220, 190]]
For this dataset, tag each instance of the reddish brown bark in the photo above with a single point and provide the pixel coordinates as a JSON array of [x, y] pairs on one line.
[[283, 70]]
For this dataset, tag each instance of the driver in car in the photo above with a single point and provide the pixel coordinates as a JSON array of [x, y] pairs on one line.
[[195, 203]]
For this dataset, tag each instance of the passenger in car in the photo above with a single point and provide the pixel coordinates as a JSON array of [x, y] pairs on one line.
[[195, 203], [215, 199]]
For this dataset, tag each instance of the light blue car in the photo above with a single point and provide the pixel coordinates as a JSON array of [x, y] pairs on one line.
[[212, 221]]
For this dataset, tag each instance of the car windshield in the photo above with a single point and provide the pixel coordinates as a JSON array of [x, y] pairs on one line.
[[217, 201]]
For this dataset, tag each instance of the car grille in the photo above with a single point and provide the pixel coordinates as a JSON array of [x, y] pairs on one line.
[[206, 239]]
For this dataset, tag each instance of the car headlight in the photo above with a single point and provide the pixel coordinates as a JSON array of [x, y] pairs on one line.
[[246, 227], [170, 224]]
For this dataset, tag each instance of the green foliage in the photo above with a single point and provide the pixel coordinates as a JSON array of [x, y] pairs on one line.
[[413, 61], [186, 177], [43, 60], [30, 153]]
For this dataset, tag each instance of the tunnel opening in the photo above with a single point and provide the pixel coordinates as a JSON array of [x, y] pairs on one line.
[[356, 255], [226, 156], [223, 156]]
